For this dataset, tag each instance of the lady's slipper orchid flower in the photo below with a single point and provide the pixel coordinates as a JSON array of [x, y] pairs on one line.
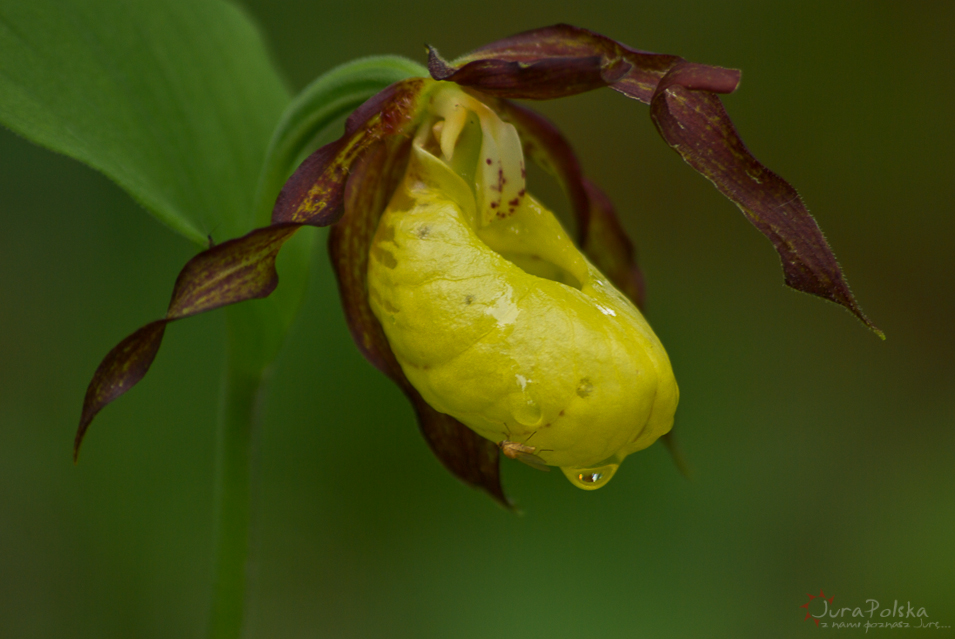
[[496, 318], [464, 290]]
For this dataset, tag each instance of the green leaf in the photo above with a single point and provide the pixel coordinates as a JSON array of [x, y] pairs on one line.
[[175, 100]]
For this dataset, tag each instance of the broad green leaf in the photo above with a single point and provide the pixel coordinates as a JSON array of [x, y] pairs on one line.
[[175, 100]]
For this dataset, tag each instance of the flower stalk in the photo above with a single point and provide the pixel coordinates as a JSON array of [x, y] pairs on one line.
[[239, 416]]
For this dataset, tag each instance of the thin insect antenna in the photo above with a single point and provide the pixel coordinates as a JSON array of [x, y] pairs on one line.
[[529, 437], [212, 242]]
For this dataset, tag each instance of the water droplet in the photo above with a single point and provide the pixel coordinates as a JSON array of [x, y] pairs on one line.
[[591, 478], [523, 405], [584, 388], [526, 411]]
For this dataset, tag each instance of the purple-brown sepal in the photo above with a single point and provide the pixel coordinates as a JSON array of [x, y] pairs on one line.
[[315, 193], [564, 60]]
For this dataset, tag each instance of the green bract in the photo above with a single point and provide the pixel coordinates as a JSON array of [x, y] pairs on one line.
[[495, 316]]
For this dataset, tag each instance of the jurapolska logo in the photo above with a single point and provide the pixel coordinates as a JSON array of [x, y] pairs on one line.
[[826, 614]]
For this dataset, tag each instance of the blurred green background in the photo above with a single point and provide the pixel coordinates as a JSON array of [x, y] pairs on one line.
[[823, 457]]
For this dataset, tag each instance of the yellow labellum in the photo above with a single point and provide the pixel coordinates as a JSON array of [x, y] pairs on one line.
[[500, 322]]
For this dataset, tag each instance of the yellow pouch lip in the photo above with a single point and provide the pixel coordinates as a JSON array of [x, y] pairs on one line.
[[431, 185]]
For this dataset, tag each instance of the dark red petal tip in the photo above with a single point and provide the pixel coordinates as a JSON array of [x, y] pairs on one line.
[[120, 370], [231, 272], [471, 458], [437, 67], [695, 124]]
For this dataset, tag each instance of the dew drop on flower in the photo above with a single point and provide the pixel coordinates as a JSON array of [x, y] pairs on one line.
[[591, 478], [525, 409]]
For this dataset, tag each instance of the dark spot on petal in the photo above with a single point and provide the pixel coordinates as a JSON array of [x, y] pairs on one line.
[[561, 414], [386, 233], [585, 388], [514, 202], [386, 258], [488, 161], [422, 231], [468, 299]]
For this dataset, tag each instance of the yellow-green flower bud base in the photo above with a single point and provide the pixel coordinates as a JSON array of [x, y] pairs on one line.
[[500, 322]]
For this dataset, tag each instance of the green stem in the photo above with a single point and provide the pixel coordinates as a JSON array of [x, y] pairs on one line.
[[239, 413], [257, 328], [255, 333]]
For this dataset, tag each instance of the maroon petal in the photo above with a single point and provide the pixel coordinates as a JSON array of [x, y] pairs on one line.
[[234, 271], [679, 459], [367, 193], [609, 247], [374, 178], [471, 458], [554, 62], [541, 80], [120, 370], [694, 123], [244, 268], [564, 60], [315, 193]]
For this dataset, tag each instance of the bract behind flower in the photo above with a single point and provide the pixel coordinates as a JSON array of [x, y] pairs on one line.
[[495, 316]]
